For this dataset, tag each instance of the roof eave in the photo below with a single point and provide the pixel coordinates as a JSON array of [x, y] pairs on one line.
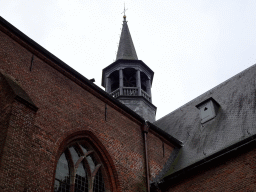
[[177, 143], [220, 156]]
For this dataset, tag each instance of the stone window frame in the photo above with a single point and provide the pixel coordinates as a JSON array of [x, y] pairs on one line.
[[83, 158]]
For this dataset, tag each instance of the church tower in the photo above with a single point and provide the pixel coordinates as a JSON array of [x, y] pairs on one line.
[[128, 79]]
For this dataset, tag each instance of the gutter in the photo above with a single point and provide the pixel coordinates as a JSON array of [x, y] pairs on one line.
[[145, 129]]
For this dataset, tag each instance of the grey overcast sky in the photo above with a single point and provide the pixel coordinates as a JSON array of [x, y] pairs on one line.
[[191, 45]]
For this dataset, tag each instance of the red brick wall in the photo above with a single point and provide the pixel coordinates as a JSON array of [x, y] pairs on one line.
[[17, 149], [5, 111], [236, 174], [67, 107], [159, 152]]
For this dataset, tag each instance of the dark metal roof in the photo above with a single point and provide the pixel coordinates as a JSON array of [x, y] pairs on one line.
[[235, 121], [126, 49]]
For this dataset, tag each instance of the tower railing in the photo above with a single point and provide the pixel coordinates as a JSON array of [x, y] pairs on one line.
[[130, 91], [145, 95], [115, 93]]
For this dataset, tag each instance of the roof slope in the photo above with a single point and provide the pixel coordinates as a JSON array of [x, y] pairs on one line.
[[126, 49], [235, 120]]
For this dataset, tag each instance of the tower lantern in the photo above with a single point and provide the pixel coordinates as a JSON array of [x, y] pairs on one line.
[[128, 79]]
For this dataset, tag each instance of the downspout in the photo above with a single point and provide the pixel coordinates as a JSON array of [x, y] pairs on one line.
[[145, 132]]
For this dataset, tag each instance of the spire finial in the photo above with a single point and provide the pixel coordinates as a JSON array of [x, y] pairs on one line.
[[124, 13]]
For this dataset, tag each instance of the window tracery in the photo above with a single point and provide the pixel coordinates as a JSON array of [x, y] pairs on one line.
[[77, 170]]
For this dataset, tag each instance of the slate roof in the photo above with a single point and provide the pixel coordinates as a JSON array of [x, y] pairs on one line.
[[235, 122], [126, 49]]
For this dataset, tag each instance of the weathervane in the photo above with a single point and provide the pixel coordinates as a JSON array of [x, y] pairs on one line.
[[124, 12]]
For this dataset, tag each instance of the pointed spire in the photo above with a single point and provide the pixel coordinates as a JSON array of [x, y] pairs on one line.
[[126, 49]]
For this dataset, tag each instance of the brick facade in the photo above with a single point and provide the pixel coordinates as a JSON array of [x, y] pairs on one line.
[[46, 106], [159, 152], [68, 110]]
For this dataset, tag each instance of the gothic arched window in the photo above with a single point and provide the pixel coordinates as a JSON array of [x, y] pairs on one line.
[[78, 170]]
